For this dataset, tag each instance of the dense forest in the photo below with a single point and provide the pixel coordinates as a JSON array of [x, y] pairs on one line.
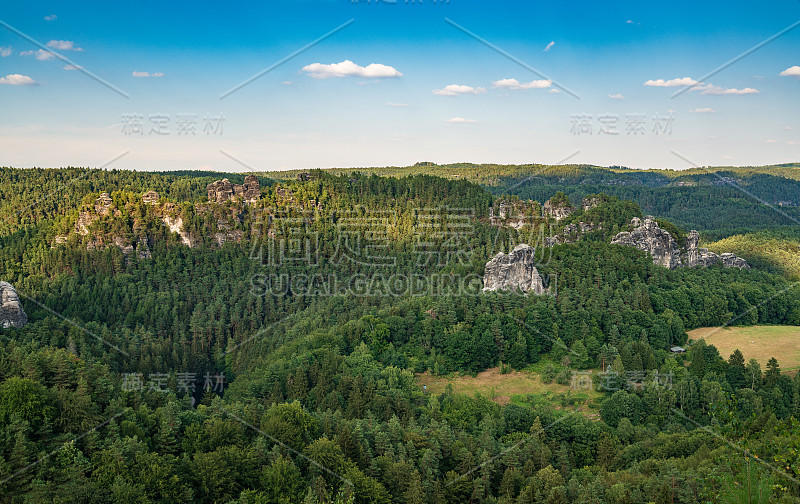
[[281, 363]]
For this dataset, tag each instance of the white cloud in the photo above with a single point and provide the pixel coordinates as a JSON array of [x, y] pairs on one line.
[[63, 45], [726, 156], [147, 74], [72, 67], [51, 17], [788, 128], [684, 81], [348, 68], [549, 46], [5, 51], [40, 55], [457, 89], [792, 142], [515, 84], [710, 89], [791, 72], [392, 104], [630, 21], [617, 96], [287, 83], [461, 120], [17, 80], [554, 90], [706, 110], [771, 141]]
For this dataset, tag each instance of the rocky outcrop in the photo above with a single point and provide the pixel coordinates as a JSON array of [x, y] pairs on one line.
[[221, 191], [175, 225], [150, 198], [11, 312], [515, 270], [85, 219], [658, 242], [589, 203], [696, 256], [557, 209], [665, 251], [102, 205]]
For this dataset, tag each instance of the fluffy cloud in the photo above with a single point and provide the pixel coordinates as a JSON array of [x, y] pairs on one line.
[[17, 80], [5, 51], [461, 120], [457, 89], [549, 46], [515, 84], [40, 55], [72, 67], [555, 91], [710, 89], [348, 68], [684, 81], [617, 96], [393, 104], [791, 72], [147, 74], [63, 45], [51, 17], [705, 110]]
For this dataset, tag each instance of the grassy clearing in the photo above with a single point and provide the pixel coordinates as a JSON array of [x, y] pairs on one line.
[[756, 342], [524, 388]]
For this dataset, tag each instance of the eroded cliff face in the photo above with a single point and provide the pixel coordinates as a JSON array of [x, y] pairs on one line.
[[696, 256], [11, 312], [515, 270], [658, 242], [221, 191], [666, 252]]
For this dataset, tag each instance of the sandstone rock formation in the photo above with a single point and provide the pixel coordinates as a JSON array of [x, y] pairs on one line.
[[85, 219], [221, 191], [557, 210], [666, 252], [589, 203], [175, 225], [658, 242], [102, 205], [150, 198], [696, 256], [11, 312], [516, 270]]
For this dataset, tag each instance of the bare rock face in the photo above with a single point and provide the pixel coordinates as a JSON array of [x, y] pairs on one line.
[[221, 191], [513, 271], [102, 205], [696, 256], [11, 312], [251, 190], [150, 198], [654, 240], [557, 210], [85, 219], [665, 251], [589, 203]]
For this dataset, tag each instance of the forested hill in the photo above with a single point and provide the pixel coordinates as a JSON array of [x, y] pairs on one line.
[[271, 351], [725, 199]]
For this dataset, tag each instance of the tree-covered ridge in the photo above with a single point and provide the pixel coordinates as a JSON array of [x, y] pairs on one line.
[[312, 395]]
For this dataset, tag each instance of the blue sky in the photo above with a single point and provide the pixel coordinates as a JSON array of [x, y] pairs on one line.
[[399, 84]]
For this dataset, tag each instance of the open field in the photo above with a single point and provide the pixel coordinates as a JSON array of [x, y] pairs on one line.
[[518, 387], [756, 342]]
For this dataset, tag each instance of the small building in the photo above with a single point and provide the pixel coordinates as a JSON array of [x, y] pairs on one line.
[[677, 349]]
